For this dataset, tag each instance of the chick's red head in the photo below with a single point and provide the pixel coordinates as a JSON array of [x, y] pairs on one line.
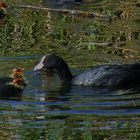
[[18, 73], [3, 5]]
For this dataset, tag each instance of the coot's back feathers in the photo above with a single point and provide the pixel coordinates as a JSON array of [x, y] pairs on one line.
[[109, 75], [103, 75]]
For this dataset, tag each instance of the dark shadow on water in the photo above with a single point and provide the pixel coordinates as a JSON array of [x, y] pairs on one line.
[[13, 95]]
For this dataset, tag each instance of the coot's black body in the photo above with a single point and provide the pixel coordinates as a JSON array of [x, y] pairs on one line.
[[110, 75], [103, 75]]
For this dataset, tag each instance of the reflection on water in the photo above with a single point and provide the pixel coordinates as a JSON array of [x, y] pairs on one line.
[[72, 112]]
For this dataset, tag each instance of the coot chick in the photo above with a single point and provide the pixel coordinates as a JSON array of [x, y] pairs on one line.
[[13, 85], [113, 75], [3, 12]]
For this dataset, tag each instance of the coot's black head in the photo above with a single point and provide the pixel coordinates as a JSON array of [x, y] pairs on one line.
[[54, 63], [49, 62]]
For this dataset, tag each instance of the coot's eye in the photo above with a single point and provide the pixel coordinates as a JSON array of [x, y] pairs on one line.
[[48, 65]]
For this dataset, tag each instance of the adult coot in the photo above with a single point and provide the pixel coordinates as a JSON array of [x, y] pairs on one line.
[[103, 75]]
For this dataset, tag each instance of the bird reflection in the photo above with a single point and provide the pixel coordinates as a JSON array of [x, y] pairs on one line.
[[55, 90]]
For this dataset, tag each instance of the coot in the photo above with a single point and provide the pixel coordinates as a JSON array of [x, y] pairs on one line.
[[12, 85], [103, 75]]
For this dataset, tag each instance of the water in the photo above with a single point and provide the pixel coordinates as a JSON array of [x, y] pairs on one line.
[[45, 110]]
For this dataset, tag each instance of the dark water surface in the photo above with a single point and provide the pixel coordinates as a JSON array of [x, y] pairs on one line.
[[45, 110]]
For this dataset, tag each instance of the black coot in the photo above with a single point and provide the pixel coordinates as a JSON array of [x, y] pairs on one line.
[[103, 75]]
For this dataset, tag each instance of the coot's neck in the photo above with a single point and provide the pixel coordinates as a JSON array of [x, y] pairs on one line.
[[64, 73]]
